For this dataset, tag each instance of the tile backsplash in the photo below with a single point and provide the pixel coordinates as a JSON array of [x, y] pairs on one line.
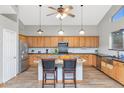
[[70, 50]]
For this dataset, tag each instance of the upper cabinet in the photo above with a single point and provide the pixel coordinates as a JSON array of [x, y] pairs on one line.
[[89, 41], [47, 41], [23, 38], [69, 40], [74, 41], [54, 41]]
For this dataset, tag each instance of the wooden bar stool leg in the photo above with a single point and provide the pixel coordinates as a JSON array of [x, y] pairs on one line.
[[45, 77], [63, 80], [43, 81], [54, 78], [75, 80]]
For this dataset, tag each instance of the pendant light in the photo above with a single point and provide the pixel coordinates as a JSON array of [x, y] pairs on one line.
[[82, 32], [40, 31], [61, 32]]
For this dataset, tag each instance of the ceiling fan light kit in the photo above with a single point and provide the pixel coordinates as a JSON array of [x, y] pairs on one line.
[[62, 11], [61, 16]]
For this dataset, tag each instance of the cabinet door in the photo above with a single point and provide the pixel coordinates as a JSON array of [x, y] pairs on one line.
[[88, 42], [76, 41], [69, 40], [82, 41], [40, 41], [47, 41], [23, 38], [35, 42], [121, 73], [54, 41], [116, 70], [96, 41], [87, 58], [29, 41], [93, 60]]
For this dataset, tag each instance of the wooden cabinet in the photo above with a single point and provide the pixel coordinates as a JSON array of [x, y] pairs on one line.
[[76, 41], [29, 40], [89, 41], [119, 72], [107, 68], [69, 40], [87, 58], [103, 66], [40, 41], [23, 38], [93, 60], [116, 70], [52, 41], [47, 41], [96, 41], [82, 41]]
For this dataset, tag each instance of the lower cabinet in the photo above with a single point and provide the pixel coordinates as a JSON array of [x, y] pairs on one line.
[[119, 72], [115, 71]]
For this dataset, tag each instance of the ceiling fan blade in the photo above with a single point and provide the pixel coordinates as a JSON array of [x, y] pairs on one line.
[[52, 8], [71, 15], [51, 14], [68, 8]]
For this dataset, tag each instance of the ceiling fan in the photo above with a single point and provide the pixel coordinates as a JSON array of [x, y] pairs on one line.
[[62, 11]]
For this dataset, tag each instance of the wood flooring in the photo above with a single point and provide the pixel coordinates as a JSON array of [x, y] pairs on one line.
[[92, 79]]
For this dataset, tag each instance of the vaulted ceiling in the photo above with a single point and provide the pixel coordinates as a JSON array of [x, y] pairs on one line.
[[29, 14]]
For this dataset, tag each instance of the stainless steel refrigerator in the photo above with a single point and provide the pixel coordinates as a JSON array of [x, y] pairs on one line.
[[23, 56]]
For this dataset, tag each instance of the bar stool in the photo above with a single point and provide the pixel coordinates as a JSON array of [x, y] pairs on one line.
[[49, 68], [69, 67]]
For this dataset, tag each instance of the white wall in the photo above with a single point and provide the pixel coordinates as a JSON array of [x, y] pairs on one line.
[[105, 27], [8, 24], [53, 30]]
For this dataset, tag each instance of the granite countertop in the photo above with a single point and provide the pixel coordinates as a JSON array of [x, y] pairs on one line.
[[97, 54], [63, 54], [111, 57]]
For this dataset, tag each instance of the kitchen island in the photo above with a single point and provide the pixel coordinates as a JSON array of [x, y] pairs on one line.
[[59, 64]]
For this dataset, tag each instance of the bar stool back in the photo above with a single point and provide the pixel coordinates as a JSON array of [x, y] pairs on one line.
[[69, 67], [49, 68]]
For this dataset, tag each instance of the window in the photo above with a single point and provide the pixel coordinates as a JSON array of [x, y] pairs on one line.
[[118, 15]]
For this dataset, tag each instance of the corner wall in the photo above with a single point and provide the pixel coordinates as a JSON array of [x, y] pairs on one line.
[[105, 27]]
